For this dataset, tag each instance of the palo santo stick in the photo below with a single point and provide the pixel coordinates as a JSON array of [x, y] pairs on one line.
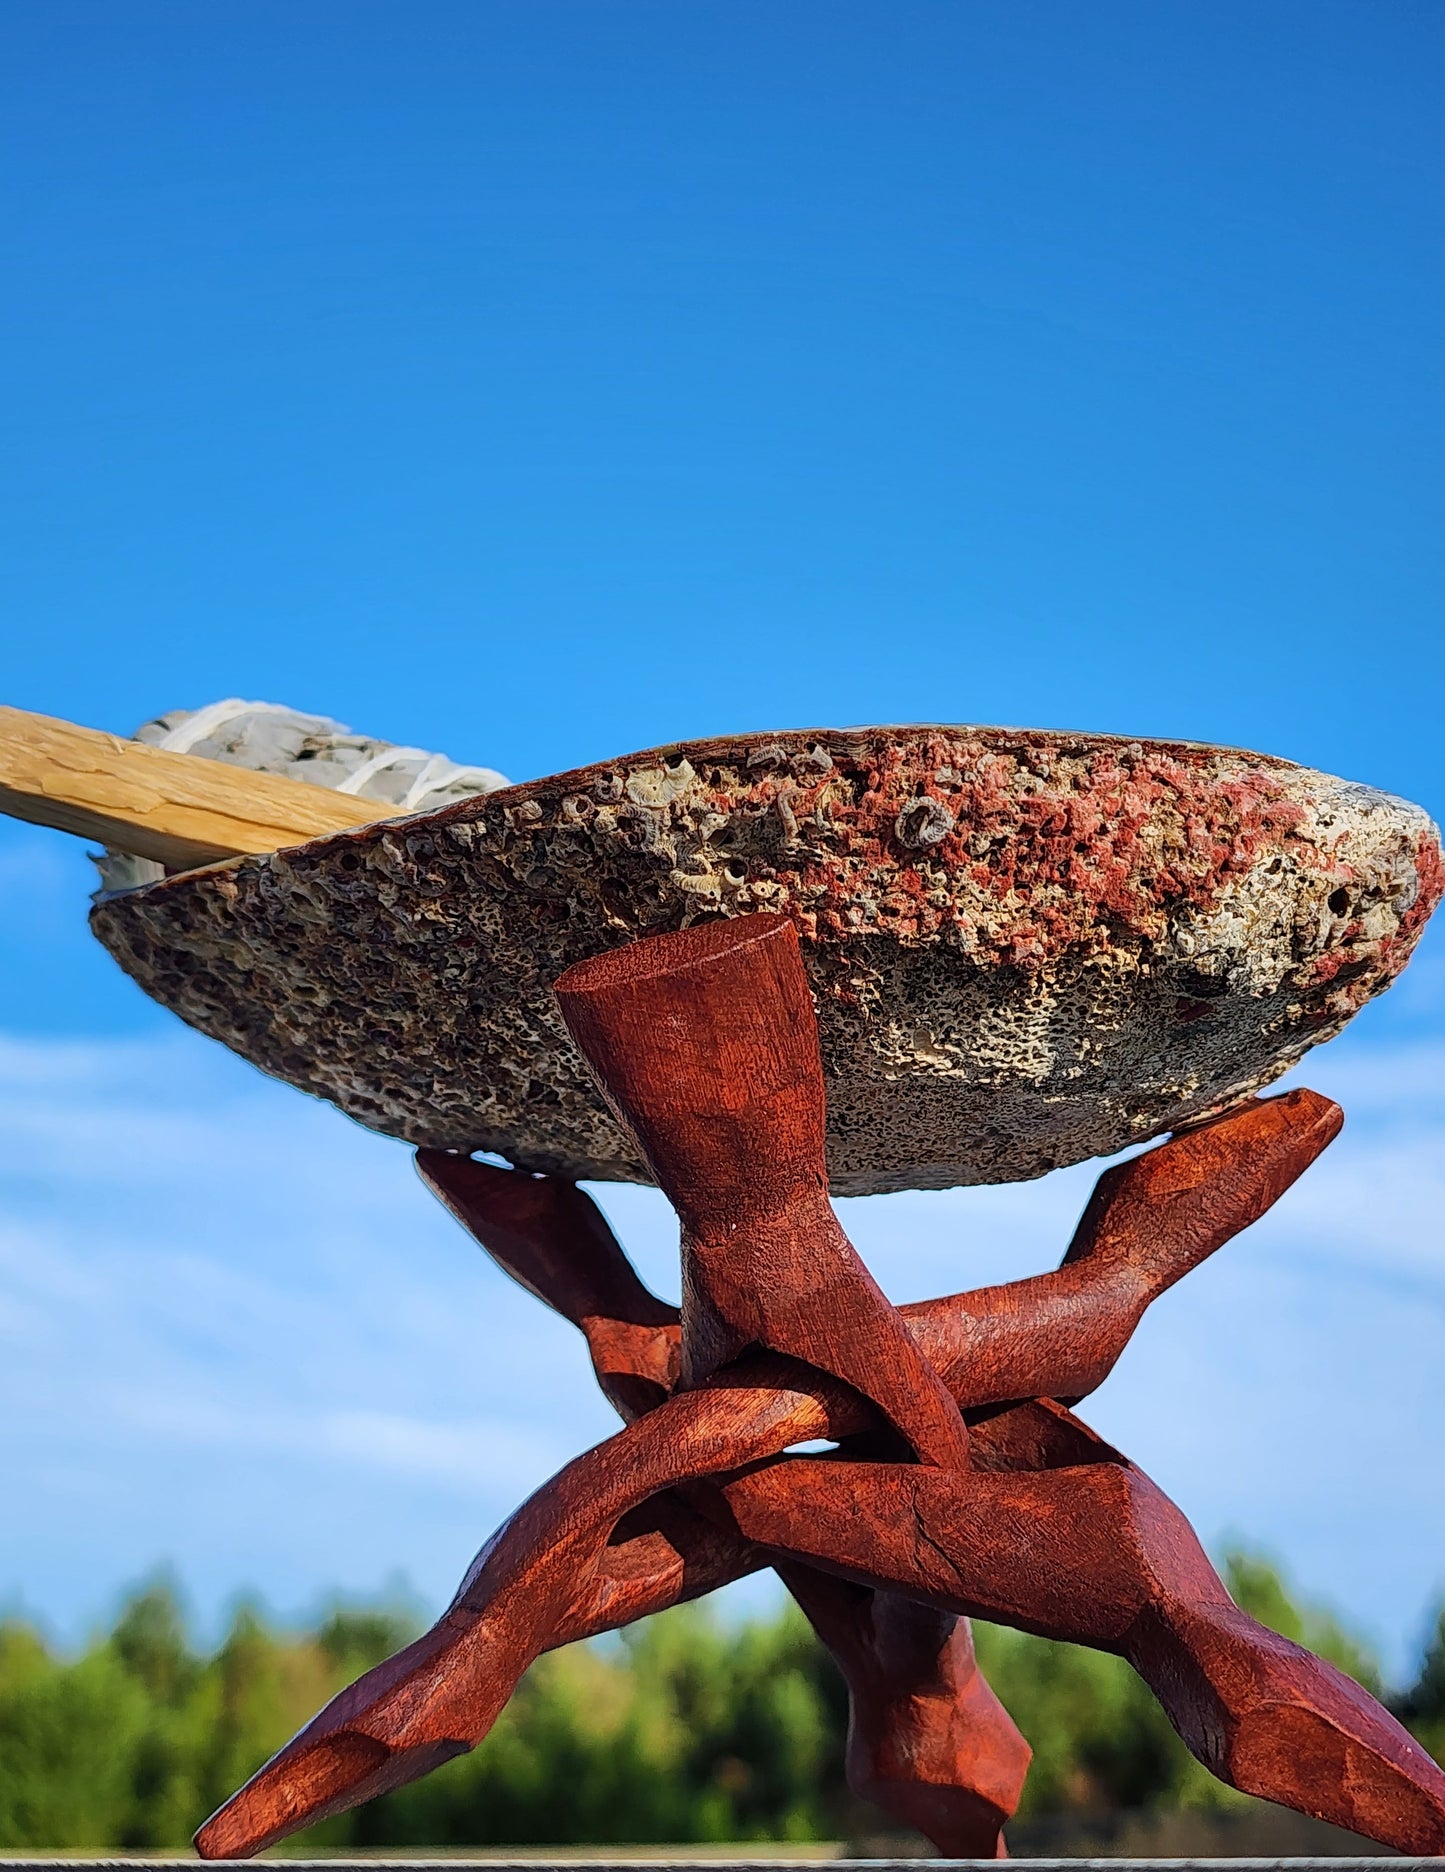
[[178, 809]]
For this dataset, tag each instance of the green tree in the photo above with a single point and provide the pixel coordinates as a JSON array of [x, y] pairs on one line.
[[71, 1741], [1422, 1707]]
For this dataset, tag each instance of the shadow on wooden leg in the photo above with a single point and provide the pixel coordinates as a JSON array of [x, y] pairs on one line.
[[928, 1741]]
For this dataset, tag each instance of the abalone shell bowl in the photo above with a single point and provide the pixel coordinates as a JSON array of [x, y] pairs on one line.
[[1026, 948]]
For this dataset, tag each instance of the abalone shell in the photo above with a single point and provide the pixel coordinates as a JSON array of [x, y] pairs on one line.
[[1026, 948]]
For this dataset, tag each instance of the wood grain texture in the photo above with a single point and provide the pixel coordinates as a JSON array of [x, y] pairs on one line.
[[892, 1540], [177, 809], [706, 1045]]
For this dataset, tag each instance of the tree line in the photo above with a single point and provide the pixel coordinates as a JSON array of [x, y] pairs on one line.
[[688, 1728]]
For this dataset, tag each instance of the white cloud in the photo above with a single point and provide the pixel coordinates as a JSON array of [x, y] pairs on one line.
[[235, 1333], [468, 1456]]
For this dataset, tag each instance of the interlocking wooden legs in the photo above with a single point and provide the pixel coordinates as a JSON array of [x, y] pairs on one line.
[[928, 1740], [704, 1043], [1087, 1549]]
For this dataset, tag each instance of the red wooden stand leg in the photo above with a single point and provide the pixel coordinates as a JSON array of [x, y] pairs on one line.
[[705, 1044], [928, 1741]]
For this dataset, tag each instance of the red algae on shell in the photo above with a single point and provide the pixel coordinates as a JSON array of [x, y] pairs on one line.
[[1026, 948]]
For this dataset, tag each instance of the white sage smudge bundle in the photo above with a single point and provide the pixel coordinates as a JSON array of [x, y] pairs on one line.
[[270, 738]]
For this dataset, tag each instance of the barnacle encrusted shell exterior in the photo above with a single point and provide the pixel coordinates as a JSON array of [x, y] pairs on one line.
[[1026, 948]]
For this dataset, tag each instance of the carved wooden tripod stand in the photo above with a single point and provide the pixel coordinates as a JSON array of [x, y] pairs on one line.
[[961, 1484]]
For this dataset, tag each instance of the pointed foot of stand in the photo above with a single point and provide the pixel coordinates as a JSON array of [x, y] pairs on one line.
[[1301, 1733]]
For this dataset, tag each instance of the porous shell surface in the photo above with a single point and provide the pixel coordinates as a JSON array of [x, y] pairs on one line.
[[1026, 948]]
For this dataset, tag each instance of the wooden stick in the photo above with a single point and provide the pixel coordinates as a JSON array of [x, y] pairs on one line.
[[179, 809]]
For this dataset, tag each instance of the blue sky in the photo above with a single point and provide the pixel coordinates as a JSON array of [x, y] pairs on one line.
[[538, 381]]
